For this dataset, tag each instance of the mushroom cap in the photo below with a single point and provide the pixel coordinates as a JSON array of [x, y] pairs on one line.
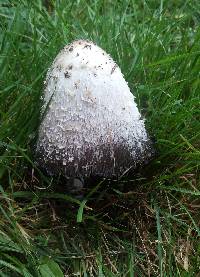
[[90, 123]]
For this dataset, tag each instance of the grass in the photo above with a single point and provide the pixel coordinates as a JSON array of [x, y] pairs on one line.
[[142, 225]]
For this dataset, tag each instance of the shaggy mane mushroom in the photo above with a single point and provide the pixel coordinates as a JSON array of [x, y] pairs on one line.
[[91, 125]]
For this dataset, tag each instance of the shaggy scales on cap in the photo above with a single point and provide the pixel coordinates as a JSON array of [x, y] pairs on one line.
[[91, 125]]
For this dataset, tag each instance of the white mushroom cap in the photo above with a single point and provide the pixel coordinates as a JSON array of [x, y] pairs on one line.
[[91, 124]]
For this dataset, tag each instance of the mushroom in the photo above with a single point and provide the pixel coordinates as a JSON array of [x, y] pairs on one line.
[[90, 122]]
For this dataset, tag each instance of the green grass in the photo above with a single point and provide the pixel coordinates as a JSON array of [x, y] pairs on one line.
[[147, 224]]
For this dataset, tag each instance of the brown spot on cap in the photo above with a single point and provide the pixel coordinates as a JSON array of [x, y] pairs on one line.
[[59, 67], [113, 69], [67, 74], [87, 46]]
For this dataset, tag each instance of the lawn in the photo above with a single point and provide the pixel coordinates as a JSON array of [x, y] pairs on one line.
[[142, 225]]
